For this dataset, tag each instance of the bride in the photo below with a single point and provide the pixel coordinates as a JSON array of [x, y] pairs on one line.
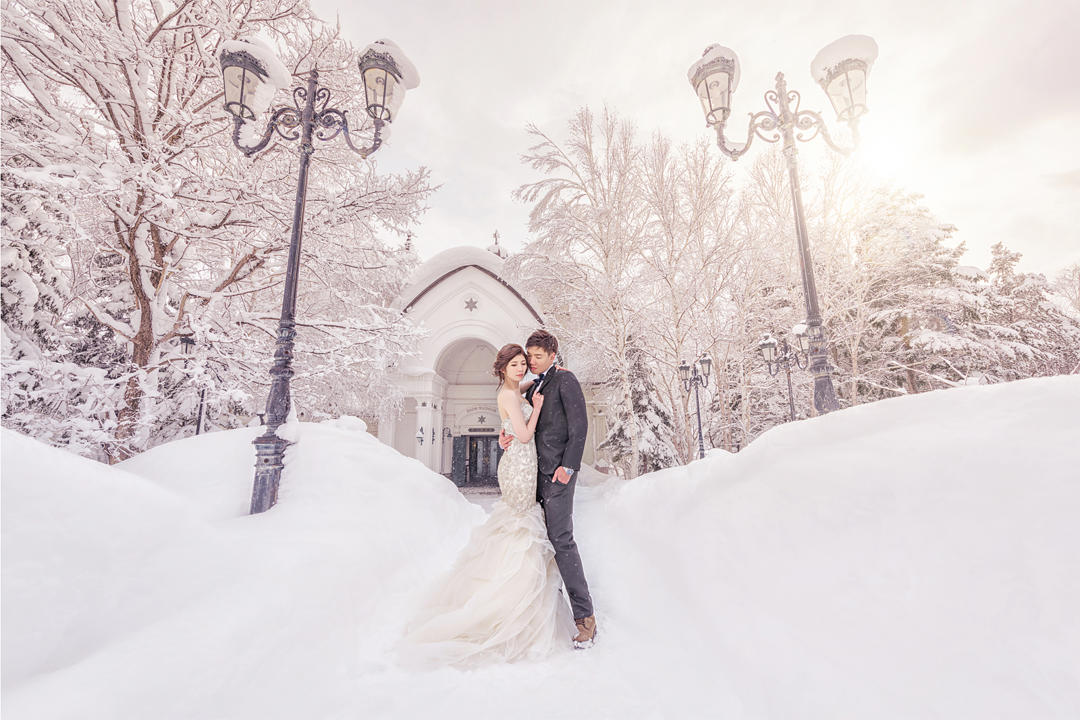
[[502, 600]]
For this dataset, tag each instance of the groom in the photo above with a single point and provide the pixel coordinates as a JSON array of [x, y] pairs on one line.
[[560, 442]]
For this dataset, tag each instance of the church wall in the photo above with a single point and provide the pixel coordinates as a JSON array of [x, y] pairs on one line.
[[466, 307]]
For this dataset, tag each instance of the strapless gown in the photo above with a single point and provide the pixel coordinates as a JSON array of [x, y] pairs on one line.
[[501, 602]]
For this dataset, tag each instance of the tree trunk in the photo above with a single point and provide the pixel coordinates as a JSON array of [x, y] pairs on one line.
[[631, 424], [127, 419]]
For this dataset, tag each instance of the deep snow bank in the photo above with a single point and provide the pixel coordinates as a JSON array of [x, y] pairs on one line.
[[912, 558], [125, 600]]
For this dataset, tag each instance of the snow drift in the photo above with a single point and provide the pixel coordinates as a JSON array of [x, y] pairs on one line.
[[911, 558]]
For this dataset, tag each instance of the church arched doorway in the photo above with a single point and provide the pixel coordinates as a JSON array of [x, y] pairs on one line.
[[470, 452]]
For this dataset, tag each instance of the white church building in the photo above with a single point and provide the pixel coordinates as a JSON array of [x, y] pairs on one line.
[[450, 421]]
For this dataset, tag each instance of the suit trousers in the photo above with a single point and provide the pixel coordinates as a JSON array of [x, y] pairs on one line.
[[558, 503]]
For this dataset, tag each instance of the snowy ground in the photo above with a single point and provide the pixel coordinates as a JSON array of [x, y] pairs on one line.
[[915, 558]]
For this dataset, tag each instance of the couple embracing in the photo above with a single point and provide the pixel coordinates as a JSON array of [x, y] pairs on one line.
[[502, 600]]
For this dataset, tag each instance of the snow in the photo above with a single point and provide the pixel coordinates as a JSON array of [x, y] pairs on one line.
[[445, 262], [913, 557], [410, 78], [849, 47], [711, 55]]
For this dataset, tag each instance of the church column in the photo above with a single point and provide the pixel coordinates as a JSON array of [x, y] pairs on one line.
[[437, 424]]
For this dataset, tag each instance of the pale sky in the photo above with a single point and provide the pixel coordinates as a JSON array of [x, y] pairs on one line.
[[975, 105]]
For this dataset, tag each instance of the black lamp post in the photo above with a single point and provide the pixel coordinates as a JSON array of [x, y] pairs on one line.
[[787, 355], [386, 74], [692, 379], [187, 347], [841, 69]]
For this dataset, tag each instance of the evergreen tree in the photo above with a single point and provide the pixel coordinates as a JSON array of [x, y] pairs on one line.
[[651, 423]]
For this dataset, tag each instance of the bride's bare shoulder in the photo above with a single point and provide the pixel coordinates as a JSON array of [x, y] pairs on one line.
[[505, 399]]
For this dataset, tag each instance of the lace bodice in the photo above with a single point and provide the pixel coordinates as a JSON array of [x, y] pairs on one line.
[[526, 410], [517, 469]]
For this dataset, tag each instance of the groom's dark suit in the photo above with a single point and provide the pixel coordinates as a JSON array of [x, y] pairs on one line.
[[560, 442]]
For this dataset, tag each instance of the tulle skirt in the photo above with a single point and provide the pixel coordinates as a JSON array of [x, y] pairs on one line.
[[500, 603]]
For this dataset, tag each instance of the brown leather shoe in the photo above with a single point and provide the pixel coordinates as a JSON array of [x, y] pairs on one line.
[[586, 636]]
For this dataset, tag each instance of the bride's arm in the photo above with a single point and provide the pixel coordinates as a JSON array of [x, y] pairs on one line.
[[522, 431]]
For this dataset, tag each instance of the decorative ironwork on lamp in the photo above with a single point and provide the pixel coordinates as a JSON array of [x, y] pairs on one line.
[[251, 74], [841, 68]]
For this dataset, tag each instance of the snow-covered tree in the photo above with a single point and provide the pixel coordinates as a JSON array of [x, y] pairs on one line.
[[170, 232], [584, 264], [652, 421], [646, 255], [692, 253], [1067, 284]]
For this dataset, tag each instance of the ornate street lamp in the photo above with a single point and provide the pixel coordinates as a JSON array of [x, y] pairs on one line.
[[420, 436], [785, 357], [251, 75], [691, 378], [187, 347], [841, 68]]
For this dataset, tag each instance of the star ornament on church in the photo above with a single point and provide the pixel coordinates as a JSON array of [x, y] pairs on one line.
[[470, 304], [482, 419]]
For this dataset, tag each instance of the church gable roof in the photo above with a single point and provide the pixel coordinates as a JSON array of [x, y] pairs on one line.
[[451, 262]]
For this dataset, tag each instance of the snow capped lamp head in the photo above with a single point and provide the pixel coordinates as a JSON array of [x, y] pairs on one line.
[[244, 75], [387, 74], [187, 344], [842, 68], [802, 338], [767, 347], [706, 365], [684, 371], [714, 78]]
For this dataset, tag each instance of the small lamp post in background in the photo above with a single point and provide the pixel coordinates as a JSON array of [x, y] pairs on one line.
[[187, 347], [246, 69], [420, 436], [692, 379], [841, 68], [785, 357]]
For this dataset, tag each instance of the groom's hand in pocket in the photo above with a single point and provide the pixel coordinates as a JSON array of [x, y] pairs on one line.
[[505, 440]]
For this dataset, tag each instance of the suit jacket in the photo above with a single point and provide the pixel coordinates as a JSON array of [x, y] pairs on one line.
[[560, 431]]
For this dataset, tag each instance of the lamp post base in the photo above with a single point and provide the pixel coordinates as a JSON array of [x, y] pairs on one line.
[[824, 395], [269, 459]]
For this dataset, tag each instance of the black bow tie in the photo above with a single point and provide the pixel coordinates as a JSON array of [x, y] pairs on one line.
[[540, 378]]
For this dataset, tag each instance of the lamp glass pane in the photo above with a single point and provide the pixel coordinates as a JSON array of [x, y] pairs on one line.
[[684, 372], [375, 88], [847, 93], [715, 95], [384, 93], [706, 365], [240, 87]]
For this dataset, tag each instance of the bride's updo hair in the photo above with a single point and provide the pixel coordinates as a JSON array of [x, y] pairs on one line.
[[503, 358]]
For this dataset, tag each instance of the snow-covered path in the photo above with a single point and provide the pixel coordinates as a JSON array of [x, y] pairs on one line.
[[912, 558]]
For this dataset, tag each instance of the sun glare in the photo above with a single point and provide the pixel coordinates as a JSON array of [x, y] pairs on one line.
[[885, 153]]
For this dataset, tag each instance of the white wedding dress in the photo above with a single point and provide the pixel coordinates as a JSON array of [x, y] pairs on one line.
[[501, 601]]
